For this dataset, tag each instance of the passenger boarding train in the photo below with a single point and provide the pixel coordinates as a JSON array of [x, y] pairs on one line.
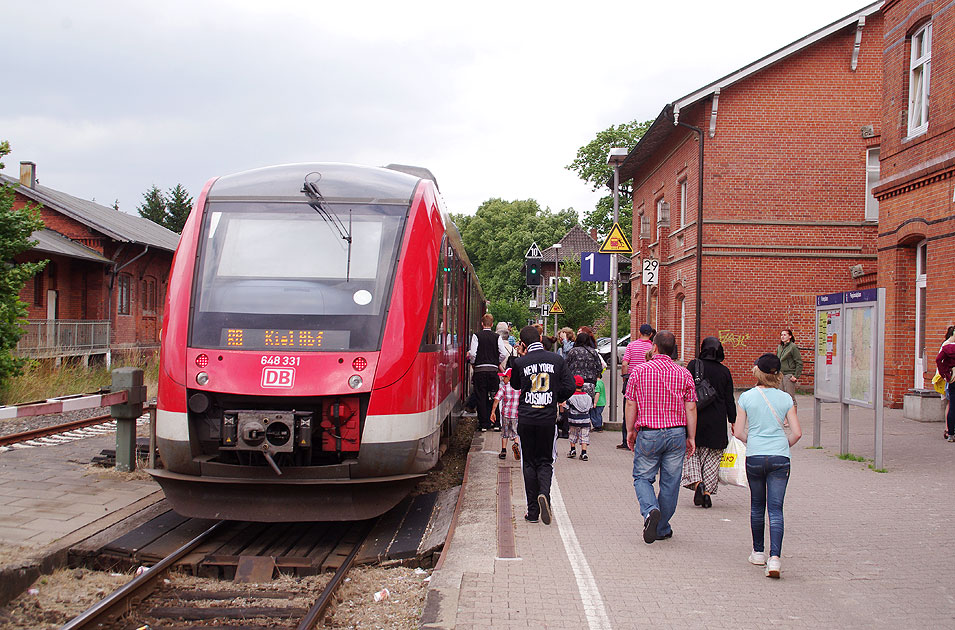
[[313, 353]]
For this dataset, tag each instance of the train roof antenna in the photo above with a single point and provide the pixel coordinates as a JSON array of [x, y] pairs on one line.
[[317, 202]]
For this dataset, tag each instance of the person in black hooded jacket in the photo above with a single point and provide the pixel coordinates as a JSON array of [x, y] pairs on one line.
[[702, 469]]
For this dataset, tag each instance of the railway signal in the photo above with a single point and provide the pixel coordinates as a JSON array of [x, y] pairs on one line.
[[533, 273], [533, 259]]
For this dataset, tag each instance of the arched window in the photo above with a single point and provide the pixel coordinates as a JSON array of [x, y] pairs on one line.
[[124, 284]]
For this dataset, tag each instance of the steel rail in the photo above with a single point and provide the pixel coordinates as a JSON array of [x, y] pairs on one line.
[[114, 604], [317, 611], [13, 438]]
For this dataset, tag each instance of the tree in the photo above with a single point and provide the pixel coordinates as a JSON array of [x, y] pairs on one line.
[[514, 310], [591, 166], [154, 206], [498, 235], [169, 210], [16, 226], [178, 206]]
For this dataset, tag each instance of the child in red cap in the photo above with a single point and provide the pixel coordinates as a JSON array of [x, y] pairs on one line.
[[507, 398], [578, 413]]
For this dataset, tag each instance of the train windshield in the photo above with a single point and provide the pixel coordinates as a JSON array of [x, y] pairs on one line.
[[281, 276]]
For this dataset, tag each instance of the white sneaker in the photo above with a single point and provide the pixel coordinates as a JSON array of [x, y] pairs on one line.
[[773, 567], [758, 558]]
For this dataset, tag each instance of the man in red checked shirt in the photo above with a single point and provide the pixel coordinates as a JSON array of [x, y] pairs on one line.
[[661, 429]]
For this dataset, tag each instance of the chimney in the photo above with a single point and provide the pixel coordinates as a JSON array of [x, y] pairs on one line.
[[28, 174], [593, 233]]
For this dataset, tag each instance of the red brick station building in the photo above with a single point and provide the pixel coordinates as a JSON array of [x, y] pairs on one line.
[[826, 166], [102, 291]]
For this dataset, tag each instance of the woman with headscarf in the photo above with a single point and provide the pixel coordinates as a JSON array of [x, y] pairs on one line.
[[701, 471]]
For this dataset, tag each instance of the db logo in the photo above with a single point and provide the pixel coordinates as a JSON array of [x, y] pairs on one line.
[[278, 377]]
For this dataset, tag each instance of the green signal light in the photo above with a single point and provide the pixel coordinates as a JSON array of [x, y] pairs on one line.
[[533, 270]]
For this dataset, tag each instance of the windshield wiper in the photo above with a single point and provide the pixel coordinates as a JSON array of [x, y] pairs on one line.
[[317, 202]]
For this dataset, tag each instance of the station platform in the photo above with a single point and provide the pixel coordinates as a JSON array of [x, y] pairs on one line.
[[862, 549], [51, 498]]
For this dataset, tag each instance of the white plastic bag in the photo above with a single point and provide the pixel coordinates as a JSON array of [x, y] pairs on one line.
[[733, 464]]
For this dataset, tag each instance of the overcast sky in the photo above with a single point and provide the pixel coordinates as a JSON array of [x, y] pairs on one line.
[[110, 98]]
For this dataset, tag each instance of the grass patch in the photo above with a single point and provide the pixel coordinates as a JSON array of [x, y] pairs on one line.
[[42, 379], [878, 470], [813, 448], [852, 458]]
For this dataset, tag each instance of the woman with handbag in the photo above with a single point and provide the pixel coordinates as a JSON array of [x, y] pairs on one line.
[[760, 425], [715, 406]]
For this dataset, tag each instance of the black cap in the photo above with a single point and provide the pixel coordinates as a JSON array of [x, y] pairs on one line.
[[768, 363], [646, 329]]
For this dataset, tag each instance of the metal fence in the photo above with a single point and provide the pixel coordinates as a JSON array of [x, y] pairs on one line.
[[63, 338]]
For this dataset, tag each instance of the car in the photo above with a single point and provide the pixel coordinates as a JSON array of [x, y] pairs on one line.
[[603, 347]]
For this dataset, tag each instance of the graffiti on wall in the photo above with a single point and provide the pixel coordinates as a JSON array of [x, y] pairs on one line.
[[736, 340]]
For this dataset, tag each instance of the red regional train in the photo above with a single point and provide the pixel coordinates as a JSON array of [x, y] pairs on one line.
[[313, 354]]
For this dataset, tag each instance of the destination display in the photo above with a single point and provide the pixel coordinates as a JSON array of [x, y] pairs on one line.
[[281, 338]]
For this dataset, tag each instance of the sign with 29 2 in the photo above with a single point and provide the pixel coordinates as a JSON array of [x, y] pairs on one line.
[[651, 271]]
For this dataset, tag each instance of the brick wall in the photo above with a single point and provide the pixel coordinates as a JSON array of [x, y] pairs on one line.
[[784, 202], [916, 193]]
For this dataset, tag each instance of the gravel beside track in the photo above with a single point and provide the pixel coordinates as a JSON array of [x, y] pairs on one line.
[[29, 423]]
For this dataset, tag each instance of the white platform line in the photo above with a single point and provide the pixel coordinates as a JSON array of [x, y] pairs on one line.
[[597, 618]]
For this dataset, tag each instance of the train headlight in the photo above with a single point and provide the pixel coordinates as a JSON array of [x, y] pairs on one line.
[[202, 378], [354, 381]]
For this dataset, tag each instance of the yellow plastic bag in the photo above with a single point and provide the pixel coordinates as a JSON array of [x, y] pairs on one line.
[[938, 383]]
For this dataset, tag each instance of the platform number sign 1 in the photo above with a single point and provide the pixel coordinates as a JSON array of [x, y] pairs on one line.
[[594, 267], [651, 271]]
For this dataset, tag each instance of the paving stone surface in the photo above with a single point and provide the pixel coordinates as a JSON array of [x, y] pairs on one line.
[[48, 492], [862, 549]]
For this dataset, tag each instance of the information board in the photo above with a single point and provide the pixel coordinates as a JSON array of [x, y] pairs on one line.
[[861, 336], [829, 327]]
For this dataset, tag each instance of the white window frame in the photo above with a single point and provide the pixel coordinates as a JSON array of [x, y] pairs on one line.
[[660, 213], [920, 75], [921, 286], [871, 181], [683, 203], [683, 329], [550, 280]]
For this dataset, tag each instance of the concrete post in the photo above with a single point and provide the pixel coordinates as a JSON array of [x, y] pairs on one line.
[[130, 379]]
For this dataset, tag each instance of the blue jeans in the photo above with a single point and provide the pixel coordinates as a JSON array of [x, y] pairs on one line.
[[660, 450], [597, 416], [768, 476]]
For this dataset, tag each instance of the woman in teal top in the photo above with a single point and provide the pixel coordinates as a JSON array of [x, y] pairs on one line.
[[760, 424]]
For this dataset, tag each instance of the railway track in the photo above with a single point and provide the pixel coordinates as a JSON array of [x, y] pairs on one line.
[[149, 602], [57, 429]]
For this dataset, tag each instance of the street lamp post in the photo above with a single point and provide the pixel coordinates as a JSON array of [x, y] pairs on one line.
[[557, 247], [616, 158]]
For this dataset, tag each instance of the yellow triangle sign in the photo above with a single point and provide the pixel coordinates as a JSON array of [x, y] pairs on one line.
[[557, 308], [616, 242]]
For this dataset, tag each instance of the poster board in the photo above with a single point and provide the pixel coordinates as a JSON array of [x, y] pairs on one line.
[[861, 336], [827, 383]]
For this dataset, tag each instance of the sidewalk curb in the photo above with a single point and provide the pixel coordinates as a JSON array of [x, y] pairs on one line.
[[439, 610]]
